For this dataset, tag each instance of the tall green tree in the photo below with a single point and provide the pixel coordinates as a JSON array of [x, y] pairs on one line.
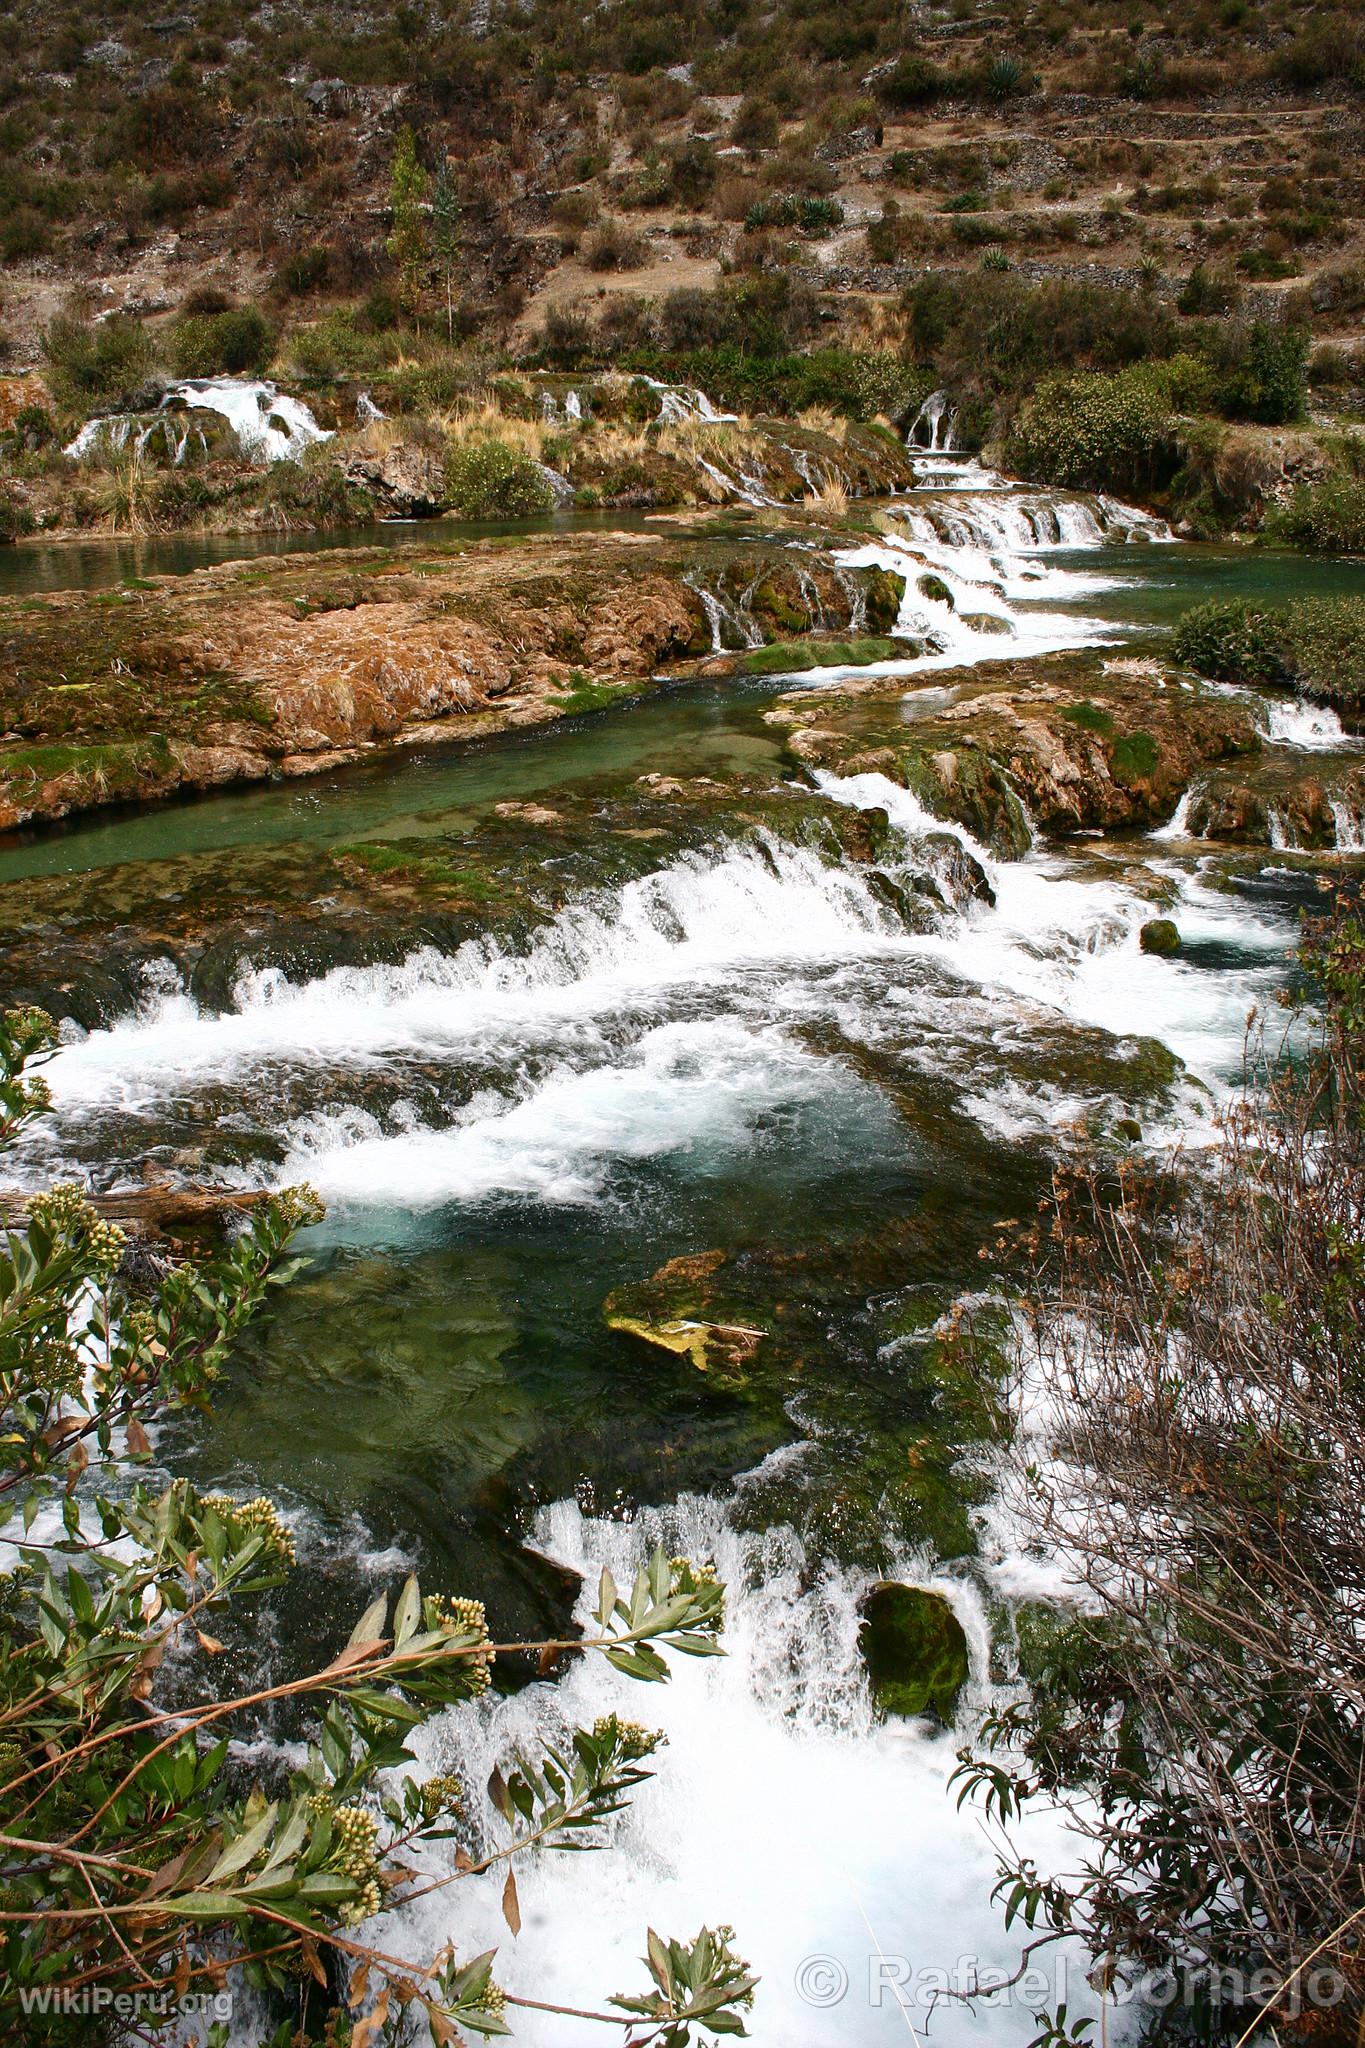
[[445, 236], [408, 241]]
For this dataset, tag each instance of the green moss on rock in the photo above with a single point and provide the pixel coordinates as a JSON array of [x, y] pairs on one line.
[[915, 1650]]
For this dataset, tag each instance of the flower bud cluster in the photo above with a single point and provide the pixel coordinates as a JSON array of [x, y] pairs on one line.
[[260, 1516]]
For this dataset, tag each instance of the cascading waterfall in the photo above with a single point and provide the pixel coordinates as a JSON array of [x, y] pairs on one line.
[[1348, 828], [720, 614], [769, 1809], [269, 425], [932, 426]]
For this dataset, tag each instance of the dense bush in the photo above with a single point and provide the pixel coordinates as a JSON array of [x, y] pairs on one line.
[[1316, 643], [486, 479], [1263, 372], [90, 364], [1097, 431], [1328, 516], [235, 343], [1324, 642], [1233, 642]]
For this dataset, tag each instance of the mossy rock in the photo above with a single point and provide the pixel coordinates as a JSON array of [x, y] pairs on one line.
[[885, 592], [1134, 758], [987, 622], [935, 590], [791, 657], [1160, 936], [915, 1650]]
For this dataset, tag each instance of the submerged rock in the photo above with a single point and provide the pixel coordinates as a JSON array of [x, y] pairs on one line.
[[666, 1312], [915, 1650]]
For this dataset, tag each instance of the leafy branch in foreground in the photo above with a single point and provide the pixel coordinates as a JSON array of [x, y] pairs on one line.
[[136, 1853]]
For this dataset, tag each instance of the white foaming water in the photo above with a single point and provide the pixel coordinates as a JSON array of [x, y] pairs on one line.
[[269, 425], [679, 403], [691, 1088], [1348, 829], [1072, 944], [780, 1806], [986, 544], [1311, 728], [695, 923]]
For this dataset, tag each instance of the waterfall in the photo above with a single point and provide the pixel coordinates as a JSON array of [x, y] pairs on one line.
[[679, 404], [1347, 825], [269, 425], [1178, 825], [1309, 728], [719, 615], [932, 426], [1281, 832]]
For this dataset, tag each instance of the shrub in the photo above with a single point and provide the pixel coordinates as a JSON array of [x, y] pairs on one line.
[[1328, 516], [1264, 373], [302, 271], [913, 82], [486, 479], [1097, 431], [1324, 644], [1316, 643], [233, 344], [756, 125], [1232, 641], [614, 247], [1194, 1341], [100, 363], [811, 212], [15, 518]]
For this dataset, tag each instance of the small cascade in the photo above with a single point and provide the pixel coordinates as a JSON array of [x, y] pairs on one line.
[[720, 613], [1348, 827], [1283, 838], [367, 412], [1177, 826], [932, 427], [1011, 521], [680, 404], [269, 425], [1308, 728], [856, 593]]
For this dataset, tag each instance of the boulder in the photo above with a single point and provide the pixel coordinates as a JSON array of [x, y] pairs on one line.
[[915, 1650], [1160, 936], [410, 481]]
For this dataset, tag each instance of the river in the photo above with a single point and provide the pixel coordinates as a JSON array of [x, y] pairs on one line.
[[738, 1046]]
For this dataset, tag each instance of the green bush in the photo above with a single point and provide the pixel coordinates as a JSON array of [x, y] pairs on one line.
[[489, 480], [94, 364], [1328, 516], [1263, 373], [236, 343], [1097, 431], [1232, 641], [913, 82], [15, 518], [1316, 643], [1324, 644]]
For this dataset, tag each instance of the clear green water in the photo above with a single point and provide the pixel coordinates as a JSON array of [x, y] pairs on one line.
[[740, 1054]]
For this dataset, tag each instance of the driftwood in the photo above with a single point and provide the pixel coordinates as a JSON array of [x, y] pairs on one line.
[[148, 1210]]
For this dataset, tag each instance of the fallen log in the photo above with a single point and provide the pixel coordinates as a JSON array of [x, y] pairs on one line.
[[148, 1209]]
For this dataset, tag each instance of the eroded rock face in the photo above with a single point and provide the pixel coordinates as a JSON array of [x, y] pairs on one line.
[[915, 1650], [248, 671], [1071, 742], [407, 480]]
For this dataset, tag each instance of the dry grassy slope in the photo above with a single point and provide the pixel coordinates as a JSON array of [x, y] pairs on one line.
[[206, 146]]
